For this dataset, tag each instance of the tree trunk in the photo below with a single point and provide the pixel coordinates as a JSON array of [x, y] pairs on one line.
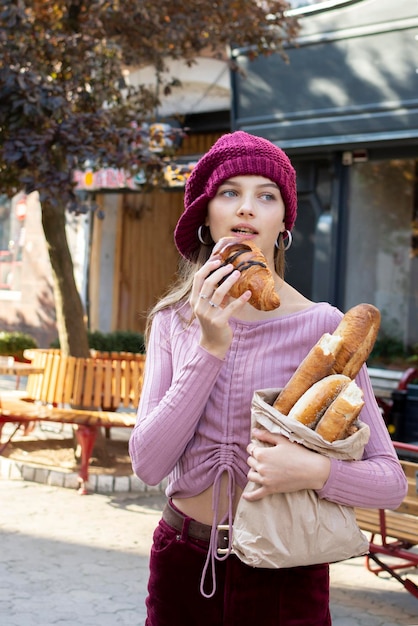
[[71, 323], [70, 314]]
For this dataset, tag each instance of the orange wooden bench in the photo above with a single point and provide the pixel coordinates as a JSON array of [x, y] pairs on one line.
[[394, 534], [101, 391]]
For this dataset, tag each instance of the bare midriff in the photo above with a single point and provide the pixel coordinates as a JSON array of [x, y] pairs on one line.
[[200, 507]]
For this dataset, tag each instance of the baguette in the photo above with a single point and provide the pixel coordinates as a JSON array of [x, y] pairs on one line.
[[318, 363], [311, 406], [341, 354], [337, 421], [358, 329]]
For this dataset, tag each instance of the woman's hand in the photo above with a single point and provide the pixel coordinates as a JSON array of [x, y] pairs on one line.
[[283, 466], [212, 307]]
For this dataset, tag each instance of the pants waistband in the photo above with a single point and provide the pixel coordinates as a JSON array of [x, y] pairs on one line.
[[195, 530]]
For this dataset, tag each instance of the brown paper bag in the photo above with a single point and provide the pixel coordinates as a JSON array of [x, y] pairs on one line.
[[294, 529]]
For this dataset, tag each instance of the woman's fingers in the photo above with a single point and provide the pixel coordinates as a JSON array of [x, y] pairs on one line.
[[212, 308], [200, 278], [284, 466], [220, 289], [212, 285]]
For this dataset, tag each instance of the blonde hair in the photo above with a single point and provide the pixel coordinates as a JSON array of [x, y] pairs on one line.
[[181, 289]]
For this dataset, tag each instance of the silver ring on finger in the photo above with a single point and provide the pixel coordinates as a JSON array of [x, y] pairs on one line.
[[204, 297], [215, 306]]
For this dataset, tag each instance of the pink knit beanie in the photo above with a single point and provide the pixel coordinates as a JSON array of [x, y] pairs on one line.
[[234, 154]]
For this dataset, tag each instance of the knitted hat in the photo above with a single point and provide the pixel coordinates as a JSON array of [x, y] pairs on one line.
[[234, 154]]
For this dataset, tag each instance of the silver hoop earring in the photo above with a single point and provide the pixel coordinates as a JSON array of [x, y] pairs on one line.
[[199, 236], [289, 240]]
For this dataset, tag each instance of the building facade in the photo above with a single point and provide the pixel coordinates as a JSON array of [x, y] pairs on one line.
[[345, 109]]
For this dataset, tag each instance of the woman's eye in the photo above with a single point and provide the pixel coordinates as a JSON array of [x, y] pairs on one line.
[[228, 193], [268, 196]]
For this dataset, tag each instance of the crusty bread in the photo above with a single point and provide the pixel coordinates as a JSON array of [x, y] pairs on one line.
[[337, 421], [358, 328], [317, 364], [322, 390], [311, 406]]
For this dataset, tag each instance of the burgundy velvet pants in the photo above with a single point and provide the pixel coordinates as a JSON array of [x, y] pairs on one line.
[[245, 596]]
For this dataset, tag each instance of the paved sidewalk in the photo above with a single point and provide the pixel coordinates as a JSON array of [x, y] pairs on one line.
[[70, 560]]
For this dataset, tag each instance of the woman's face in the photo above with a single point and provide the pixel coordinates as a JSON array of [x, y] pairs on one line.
[[249, 207]]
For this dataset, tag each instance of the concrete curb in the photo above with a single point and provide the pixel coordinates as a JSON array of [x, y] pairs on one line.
[[12, 469]]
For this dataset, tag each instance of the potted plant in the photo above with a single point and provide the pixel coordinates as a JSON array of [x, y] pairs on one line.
[[115, 341], [15, 343]]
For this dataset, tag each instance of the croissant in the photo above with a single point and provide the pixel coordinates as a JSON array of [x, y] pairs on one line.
[[255, 273]]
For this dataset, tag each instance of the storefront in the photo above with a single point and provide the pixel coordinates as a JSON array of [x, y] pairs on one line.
[[345, 109]]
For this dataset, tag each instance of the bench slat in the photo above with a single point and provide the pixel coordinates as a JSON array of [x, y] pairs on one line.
[[43, 395], [98, 383], [410, 468], [398, 525], [53, 376], [20, 410], [410, 506], [88, 383], [116, 382], [137, 375], [125, 383], [77, 395], [62, 374], [67, 395], [107, 390], [34, 383]]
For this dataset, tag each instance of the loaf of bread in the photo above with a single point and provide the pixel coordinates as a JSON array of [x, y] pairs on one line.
[[319, 363], [322, 393], [256, 275], [358, 329], [312, 405], [338, 419]]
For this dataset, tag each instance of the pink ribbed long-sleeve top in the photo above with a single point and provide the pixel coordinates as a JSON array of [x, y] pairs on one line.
[[194, 415]]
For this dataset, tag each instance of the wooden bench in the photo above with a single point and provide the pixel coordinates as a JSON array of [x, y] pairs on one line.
[[394, 534], [89, 393]]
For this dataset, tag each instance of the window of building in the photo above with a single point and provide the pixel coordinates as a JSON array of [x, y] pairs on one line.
[[296, 4], [303, 7], [382, 260], [12, 235], [317, 5]]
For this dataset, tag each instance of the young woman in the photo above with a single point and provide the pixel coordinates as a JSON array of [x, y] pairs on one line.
[[206, 355]]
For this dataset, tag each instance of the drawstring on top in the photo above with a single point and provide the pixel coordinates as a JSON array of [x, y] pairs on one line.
[[228, 518]]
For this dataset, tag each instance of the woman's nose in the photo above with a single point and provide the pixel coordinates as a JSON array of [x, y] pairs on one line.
[[246, 206]]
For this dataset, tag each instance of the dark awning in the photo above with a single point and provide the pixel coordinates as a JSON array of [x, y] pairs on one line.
[[351, 81]]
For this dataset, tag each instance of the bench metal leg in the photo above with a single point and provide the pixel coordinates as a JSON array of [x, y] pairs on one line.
[[86, 437], [4, 445], [406, 582]]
